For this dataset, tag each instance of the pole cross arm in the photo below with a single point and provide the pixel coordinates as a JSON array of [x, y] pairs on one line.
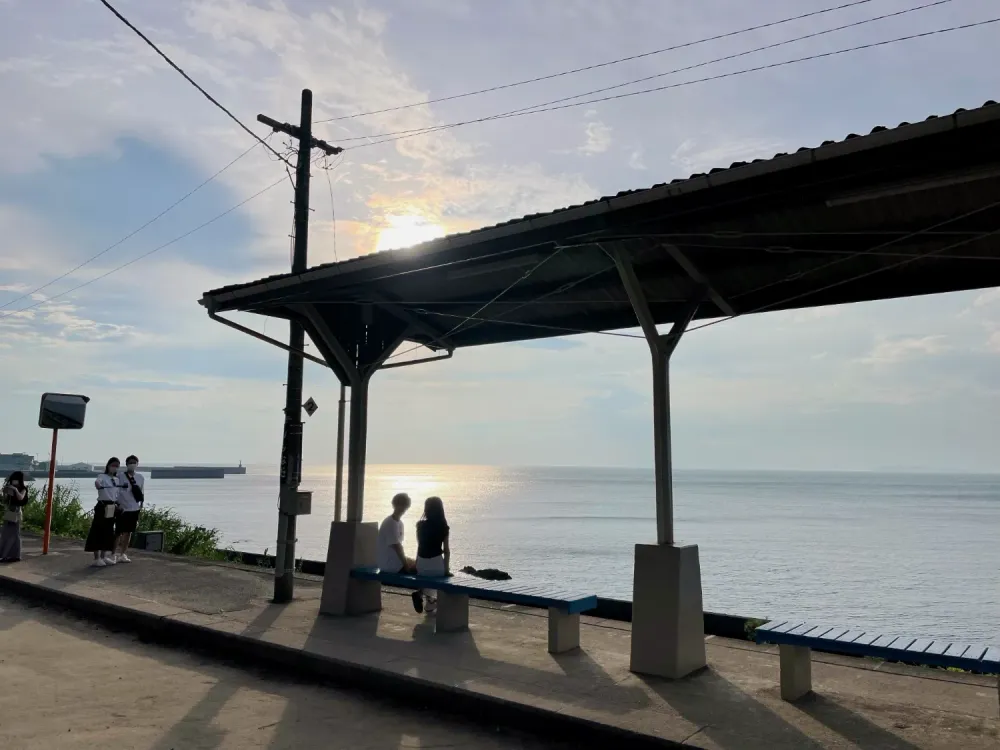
[[295, 132]]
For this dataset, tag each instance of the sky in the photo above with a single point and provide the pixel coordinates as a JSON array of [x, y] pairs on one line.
[[100, 136]]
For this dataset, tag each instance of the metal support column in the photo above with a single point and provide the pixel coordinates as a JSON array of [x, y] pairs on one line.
[[661, 346], [338, 491], [357, 444]]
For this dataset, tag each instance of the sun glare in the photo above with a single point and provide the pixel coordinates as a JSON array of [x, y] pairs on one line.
[[406, 230]]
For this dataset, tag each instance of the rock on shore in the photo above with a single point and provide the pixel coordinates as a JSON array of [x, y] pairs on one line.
[[488, 574]]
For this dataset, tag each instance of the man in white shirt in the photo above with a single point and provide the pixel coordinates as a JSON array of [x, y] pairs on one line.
[[390, 555], [130, 499]]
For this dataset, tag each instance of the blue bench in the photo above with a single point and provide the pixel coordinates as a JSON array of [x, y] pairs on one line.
[[796, 639], [455, 591]]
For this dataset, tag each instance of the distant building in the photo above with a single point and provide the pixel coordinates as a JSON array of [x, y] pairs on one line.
[[16, 462]]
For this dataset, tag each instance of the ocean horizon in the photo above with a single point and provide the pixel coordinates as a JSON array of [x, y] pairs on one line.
[[887, 550]]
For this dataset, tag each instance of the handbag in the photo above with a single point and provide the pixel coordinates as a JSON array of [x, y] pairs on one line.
[[109, 510], [11, 512]]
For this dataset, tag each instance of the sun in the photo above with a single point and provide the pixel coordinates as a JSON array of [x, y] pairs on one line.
[[406, 230]]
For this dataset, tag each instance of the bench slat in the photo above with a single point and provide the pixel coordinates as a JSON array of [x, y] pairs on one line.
[[801, 629], [851, 636], [834, 634], [884, 641], [976, 653], [773, 625], [938, 648], [919, 645], [867, 639]]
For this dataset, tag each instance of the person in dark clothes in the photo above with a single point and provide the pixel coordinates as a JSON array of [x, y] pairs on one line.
[[433, 552], [101, 538], [13, 497]]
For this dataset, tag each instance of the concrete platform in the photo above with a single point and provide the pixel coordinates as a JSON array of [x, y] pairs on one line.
[[500, 672]]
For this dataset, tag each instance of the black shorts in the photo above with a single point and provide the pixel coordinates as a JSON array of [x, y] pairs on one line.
[[126, 521]]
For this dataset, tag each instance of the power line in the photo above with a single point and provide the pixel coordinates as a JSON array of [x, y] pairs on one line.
[[333, 210], [190, 80], [539, 108], [146, 254], [596, 66], [683, 69], [154, 250], [131, 234]]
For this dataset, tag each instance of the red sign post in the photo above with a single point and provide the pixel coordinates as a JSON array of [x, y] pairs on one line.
[[58, 411], [48, 499]]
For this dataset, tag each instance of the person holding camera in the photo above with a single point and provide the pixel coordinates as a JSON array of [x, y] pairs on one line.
[[13, 497]]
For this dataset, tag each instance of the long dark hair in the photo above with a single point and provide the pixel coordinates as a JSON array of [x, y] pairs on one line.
[[17, 479], [112, 460], [434, 512]]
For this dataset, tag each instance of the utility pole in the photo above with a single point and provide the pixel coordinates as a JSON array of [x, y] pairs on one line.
[[291, 444]]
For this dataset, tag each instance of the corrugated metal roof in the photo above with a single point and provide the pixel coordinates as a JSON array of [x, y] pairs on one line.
[[877, 137]]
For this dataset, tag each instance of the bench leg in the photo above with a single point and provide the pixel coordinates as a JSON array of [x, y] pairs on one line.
[[564, 631], [452, 613], [796, 672]]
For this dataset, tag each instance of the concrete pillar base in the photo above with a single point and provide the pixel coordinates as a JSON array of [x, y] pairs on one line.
[[564, 631], [668, 621], [452, 614], [352, 545], [796, 671]]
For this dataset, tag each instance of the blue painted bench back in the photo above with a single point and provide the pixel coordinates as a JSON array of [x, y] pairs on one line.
[[855, 642], [511, 592]]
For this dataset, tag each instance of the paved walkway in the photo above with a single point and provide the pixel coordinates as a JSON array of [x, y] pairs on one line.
[[71, 685], [501, 672]]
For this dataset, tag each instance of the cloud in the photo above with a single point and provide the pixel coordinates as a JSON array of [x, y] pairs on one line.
[[987, 298], [635, 160], [897, 350], [598, 138], [693, 157]]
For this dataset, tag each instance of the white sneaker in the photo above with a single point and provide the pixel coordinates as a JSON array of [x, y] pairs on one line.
[[98, 563], [123, 559], [110, 560]]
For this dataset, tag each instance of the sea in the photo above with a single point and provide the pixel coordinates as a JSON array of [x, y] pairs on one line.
[[918, 552]]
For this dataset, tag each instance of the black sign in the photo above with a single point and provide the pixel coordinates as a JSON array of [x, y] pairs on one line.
[[62, 411], [310, 406]]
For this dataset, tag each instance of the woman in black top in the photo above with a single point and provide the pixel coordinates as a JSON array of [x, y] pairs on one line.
[[433, 553], [13, 497]]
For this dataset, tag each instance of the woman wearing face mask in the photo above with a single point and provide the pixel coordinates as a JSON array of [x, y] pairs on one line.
[[13, 497], [101, 539], [129, 503]]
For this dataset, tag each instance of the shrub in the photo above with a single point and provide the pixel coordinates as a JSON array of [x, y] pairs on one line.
[[71, 519]]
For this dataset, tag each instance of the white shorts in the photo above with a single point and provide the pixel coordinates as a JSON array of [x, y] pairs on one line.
[[431, 566]]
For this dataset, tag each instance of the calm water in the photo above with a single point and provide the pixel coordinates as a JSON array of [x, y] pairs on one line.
[[871, 549]]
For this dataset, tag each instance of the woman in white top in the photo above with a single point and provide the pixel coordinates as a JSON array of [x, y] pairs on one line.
[[101, 538], [129, 504]]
